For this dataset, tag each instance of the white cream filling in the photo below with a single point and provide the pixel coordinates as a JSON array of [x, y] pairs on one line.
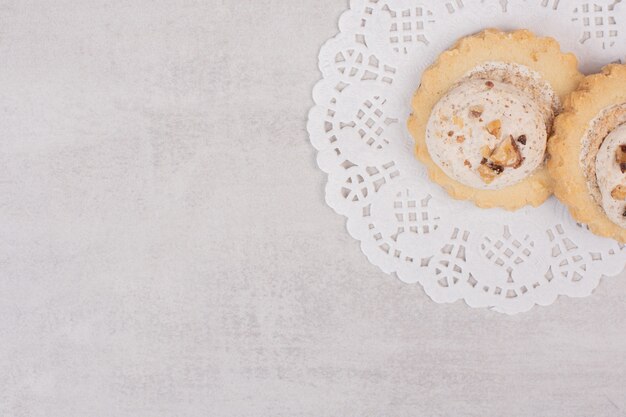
[[456, 138], [525, 79], [609, 176]]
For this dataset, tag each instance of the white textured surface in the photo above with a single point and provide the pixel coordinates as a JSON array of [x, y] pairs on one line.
[[141, 142]]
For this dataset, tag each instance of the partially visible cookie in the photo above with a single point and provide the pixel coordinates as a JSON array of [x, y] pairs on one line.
[[588, 153], [483, 113]]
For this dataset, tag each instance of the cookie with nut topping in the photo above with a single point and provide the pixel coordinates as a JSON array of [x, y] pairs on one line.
[[588, 153], [483, 114]]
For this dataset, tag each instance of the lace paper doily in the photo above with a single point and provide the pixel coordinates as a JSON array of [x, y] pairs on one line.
[[407, 225]]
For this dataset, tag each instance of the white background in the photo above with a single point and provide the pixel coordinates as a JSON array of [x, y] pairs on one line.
[[165, 249]]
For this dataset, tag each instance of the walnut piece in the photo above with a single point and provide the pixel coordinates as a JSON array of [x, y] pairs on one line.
[[489, 172], [619, 193], [620, 157], [458, 122], [507, 154], [476, 111], [495, 128]]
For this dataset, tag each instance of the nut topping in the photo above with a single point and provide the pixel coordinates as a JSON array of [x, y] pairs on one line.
[[476, 111], [489, 172], [620, 157], [495, 128], [458, 122], [467, 164], [619, 193], [460, 139], [507, 154]]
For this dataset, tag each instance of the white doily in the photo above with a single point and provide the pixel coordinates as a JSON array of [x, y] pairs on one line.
[[407, 225]]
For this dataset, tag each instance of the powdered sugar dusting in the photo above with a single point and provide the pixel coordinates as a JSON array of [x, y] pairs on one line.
[[525, 79]]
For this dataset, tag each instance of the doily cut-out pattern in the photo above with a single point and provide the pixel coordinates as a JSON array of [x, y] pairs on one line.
[[507, 262]]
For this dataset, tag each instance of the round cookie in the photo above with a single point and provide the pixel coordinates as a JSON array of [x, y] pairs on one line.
[[483, 112], [588, 153]]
